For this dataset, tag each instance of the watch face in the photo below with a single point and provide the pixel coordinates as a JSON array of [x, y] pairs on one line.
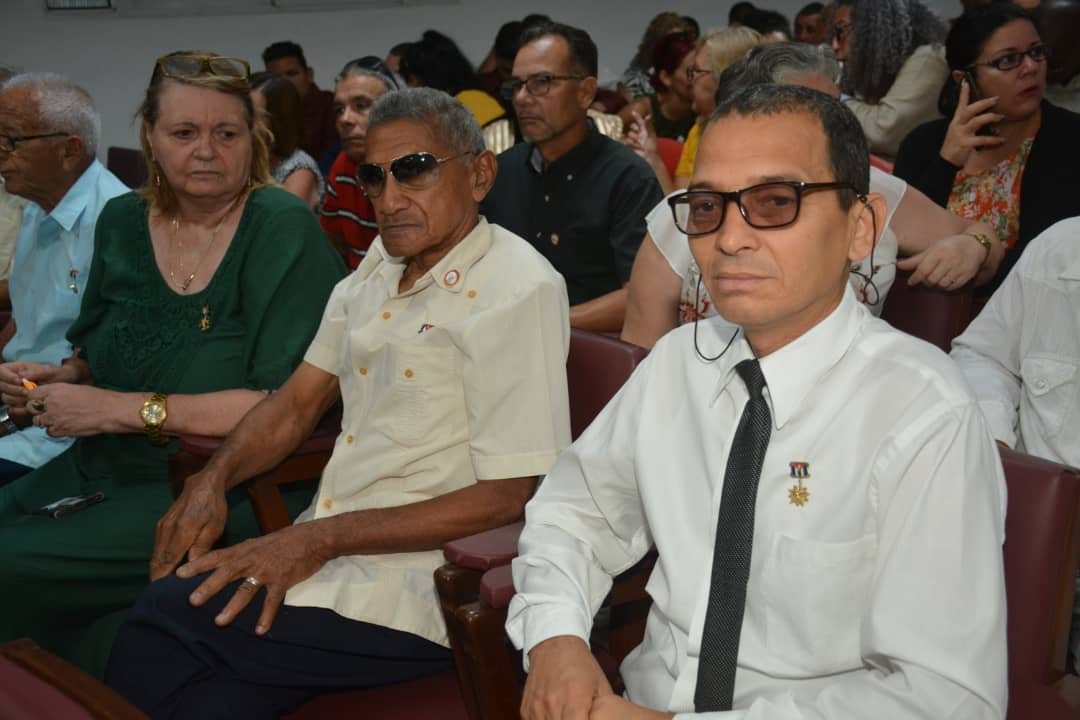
[[153, 413]]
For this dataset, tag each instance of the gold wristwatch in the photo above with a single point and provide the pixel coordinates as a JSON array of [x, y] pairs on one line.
[[153, 414]]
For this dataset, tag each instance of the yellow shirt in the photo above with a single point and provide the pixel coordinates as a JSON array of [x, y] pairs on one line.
[[483, 107], [460, 379], [689, 152]]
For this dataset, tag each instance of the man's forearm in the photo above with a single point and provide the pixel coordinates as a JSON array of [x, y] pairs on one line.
[[602, 314], [428, 524]]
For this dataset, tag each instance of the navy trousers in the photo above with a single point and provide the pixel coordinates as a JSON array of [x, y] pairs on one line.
[[172, 662]]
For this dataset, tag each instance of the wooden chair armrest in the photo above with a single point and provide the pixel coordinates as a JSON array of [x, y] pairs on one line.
[[485, 550]]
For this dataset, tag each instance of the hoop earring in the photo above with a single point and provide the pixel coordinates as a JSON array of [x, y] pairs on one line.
[[157, 179]]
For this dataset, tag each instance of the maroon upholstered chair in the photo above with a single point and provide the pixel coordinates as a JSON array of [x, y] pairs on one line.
[[128, 165], [36, 684], [933, 315], [1042, 554]]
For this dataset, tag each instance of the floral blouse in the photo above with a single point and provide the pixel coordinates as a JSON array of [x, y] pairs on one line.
[[993, 195]]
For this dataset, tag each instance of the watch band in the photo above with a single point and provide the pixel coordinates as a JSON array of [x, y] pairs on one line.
[[6, 422], [983, 240]]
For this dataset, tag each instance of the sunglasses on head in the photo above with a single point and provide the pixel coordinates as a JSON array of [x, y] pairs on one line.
[[415, 171], [191, 65]]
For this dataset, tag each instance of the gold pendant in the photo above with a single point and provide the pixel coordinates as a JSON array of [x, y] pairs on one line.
[[204, 321], [798, 495]]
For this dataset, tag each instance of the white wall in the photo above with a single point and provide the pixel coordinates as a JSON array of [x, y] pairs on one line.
[[112, 56]]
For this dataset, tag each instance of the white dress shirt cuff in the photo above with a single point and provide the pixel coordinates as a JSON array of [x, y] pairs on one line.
[[529, 627]]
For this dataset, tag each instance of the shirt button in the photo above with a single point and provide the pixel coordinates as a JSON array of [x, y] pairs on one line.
[[1041, 384], [328, 503], [547, 198], [386, 315], [471, 293], [554, 238], [569, 177], [408, 373], [362, 371], [538, 235], [349, 439]]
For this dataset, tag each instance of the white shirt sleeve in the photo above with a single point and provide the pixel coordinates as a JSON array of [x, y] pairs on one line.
[[669, 240]]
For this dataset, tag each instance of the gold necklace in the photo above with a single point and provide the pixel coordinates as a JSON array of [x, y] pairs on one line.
[[186, 283]]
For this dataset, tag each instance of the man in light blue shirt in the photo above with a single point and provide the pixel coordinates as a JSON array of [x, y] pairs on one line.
[[48, 142]]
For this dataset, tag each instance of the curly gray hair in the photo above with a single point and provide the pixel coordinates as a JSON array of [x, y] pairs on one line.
[[63, 106], [884, 34]]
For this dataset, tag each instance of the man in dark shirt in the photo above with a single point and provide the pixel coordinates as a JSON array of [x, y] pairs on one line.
[[286, 59], [580, 198]]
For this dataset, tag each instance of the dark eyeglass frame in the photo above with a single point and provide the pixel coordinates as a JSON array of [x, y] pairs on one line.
[[394, 166], [537, 85], [205, 67], [8, 143], [693, 71], [736, 196], [1013, 60]]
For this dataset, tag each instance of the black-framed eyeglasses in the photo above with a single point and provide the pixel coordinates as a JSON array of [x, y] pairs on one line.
[[415, 171], [767, 205], [1013, 60], [841, 30], [693, 71], [8, 142], [189, 65], [539, 84]]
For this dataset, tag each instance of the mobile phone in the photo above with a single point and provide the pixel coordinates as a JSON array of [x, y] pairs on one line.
[[974, 96], [70, 505]]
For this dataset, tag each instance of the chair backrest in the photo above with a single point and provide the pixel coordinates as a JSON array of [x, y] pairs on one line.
[[596, 368], [1042, 552], [670, 152], [934, 315], [128, 165]]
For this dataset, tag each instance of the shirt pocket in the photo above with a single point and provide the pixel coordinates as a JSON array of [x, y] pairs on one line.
[[1050, 392], [426, 397], [816, 594]]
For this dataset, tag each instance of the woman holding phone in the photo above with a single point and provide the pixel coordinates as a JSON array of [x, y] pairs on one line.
[[998, 156]]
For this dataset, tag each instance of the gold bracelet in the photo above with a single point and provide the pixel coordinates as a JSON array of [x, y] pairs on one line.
[[984, 240]]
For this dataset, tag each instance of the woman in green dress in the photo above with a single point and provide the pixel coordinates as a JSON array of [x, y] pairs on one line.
[[205, 289]]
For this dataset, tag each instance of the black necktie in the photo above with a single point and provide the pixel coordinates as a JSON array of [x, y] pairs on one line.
[[734, 543]]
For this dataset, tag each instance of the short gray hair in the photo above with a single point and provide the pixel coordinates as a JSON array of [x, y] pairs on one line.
[[452, 123], [62, 106], [777, 63]]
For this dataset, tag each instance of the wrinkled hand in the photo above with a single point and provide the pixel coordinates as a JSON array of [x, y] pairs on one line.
[[191, 526], [949, 264], [67, 410], [641, 137], [613, 707], [962, 138], [278, 561], [564, 681], [13, 393]]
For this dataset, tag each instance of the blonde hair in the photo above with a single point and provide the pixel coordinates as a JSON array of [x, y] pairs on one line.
[[157, 192], [728, 46]]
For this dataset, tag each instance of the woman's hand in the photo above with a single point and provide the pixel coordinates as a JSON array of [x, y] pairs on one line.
[[67, 410], [962, 137], [641, 137], [277, 561], [13, 392], [949, 264]]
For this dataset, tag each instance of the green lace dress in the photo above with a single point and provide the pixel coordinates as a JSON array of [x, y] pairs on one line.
[[68, 583]]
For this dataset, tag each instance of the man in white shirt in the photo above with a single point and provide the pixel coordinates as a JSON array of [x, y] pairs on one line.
[[448, 347], [867, 563]]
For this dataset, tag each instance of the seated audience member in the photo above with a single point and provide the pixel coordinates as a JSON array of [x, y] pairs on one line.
[[692, 27], [290, 166], [444, 432], [847, 563], [499, 63], [738, 12], [811, 25], [894, 66], [204, 290], [715, 53], [666, 287], [1059, 23], [346, 215], [1017, 176], [436, 61], [772, 26], [635, 81], [579, 197], [667, 108], [287, 60], [48, 146]]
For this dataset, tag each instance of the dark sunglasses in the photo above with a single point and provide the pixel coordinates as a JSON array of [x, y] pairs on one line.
[[415, 171], [1013, 60], [768, 205]]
